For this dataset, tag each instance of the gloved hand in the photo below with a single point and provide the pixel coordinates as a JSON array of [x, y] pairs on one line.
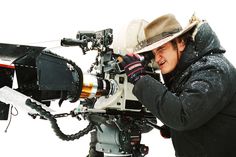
[[133, 67]]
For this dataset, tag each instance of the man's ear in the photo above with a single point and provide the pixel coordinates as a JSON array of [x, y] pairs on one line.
[[181, 44]]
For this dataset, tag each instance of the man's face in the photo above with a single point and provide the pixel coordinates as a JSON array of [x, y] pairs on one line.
[[167, 56]]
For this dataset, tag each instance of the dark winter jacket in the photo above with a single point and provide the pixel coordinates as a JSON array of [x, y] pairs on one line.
[[198, 103]]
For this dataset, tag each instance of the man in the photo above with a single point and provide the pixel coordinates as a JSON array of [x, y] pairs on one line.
[[198, 100]]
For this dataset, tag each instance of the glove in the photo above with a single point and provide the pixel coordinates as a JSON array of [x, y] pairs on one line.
[[133, 67]]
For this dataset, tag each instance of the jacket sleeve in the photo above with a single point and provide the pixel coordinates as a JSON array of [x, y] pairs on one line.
[[202, 97]]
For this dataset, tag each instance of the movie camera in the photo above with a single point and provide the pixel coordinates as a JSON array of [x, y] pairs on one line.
[[104, 94]]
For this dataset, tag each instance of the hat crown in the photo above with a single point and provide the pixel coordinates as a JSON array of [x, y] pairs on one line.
[[161, 27]]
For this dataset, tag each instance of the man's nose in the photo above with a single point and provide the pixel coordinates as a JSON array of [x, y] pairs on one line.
[[157, 58]]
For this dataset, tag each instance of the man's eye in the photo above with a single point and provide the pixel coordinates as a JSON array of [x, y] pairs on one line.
[[161, 49]]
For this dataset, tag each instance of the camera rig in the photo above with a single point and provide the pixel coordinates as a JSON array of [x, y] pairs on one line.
[[106, 100]]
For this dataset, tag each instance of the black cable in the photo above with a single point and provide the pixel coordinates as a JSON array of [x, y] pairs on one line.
[[54, 124]]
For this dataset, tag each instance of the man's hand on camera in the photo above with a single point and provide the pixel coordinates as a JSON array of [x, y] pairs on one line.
[[133, 67]]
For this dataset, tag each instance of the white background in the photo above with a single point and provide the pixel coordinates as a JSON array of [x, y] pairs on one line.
[[28, 21]]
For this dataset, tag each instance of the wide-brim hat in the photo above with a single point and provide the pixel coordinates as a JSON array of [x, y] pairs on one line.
[[162, 30]]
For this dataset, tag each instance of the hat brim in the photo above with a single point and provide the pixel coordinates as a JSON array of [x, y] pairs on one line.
[[167, 39]]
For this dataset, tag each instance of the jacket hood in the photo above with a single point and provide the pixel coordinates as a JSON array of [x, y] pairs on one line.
[[204, 42]]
